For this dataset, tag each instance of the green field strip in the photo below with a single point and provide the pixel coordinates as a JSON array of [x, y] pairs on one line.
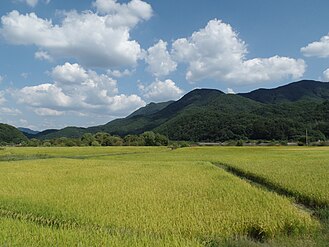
[[321, 213], [14, 157], [253, 234], [6, 158], [308, 202], [75, 224], [23, 233], [39, 219]]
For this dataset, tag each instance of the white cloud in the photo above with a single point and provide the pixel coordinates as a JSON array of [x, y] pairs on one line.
[[78, 90], [119, 74], [317, 48], [159, 60], [326, 75], [93, 39], [10, 111], [44, 95], [1, 78], [216, 52], [70, 74], [2, 97], [47, 112], [43, 55], [268, 69], [230, 91], [161, 91], [126, 15]]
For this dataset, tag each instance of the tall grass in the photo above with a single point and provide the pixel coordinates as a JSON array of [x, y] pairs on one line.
[[148, 197]]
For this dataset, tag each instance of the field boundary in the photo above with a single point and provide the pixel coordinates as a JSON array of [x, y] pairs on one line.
[[11, 158], [304, 202]]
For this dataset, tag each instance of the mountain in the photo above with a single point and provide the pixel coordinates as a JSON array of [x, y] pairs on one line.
[[117, 126], [28, 131], [150, 109], [281, 113], [196, 102], [69, 132], [140, 123], [302, 90], [10, 135]]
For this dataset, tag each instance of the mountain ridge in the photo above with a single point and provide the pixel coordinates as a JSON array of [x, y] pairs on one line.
[[307, 89], [204, 113]]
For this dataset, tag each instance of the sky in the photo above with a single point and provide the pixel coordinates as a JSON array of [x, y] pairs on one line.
[[87, 62]]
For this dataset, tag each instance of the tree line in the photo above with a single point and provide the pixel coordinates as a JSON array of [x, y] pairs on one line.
[[148, 138]]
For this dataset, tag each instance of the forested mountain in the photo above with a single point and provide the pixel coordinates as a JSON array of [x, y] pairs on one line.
[[10, 135], [302, 90], [150, 109], [69, 132], [27, 131], [283, 113]]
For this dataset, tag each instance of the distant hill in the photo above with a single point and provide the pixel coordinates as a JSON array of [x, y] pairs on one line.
[[28, 131], [281, 113], [301, 90], [10, 135], [69, 132]]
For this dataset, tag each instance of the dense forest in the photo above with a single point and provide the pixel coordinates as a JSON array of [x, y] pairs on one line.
[[148, 138], [11, 135]]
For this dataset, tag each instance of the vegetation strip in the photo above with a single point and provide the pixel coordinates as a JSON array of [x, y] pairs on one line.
[[45, 156], [304, 201], [39, 220], [16, 157], [72, 224]]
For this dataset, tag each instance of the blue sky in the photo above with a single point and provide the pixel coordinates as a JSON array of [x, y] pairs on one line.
[[86, 62]]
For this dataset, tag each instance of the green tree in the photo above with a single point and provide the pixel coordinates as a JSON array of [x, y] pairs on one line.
[[87, 139], [161, 140], [149, 138]]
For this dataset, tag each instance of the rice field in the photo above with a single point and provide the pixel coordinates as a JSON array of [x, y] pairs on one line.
[[154, 196]]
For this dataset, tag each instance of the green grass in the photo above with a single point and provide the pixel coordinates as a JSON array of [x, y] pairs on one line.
[[302, 172], [75, 151], [124, 196]]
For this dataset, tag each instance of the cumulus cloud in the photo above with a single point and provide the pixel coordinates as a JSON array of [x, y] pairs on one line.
[[161, 91], [217, 52], [326, 75], [78, 90], [94, 39], [126, 15], [159, 60], [317, 48], [43, 95], [230, 91]]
